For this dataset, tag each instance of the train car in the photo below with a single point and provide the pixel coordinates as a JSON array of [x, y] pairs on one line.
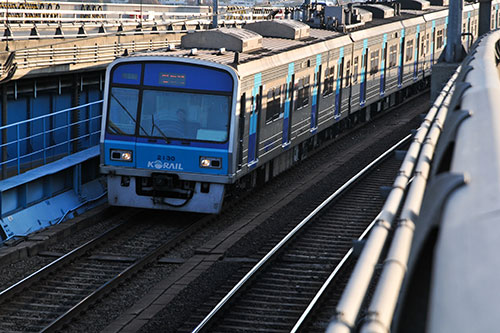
[[236, 106]]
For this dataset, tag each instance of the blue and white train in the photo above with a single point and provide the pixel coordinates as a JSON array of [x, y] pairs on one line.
[[242, 105]]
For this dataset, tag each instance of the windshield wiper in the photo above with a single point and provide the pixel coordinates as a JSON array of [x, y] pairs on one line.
[[127, 112], [159, 129], [115, 128]]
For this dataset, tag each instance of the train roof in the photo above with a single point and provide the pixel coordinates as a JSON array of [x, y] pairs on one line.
[[278, 51]]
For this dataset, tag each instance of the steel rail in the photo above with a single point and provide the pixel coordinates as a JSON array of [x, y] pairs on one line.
[[68, 257], [110, 284], [290, 235], [66, 317], [314, 302]]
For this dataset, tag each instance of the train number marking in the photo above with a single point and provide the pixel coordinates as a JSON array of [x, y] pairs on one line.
[[167, 158]]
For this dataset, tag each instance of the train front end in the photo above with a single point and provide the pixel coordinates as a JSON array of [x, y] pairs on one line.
[[166, 139]]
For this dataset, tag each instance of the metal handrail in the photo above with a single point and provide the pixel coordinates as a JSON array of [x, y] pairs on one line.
[[354, 293], [50, 114], [47, 132]]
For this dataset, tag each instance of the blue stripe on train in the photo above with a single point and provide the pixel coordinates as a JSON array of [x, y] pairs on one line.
[[415, 55], [314, 106], [252, 138], [400, 67], [362, 95], [432, 42], [286, 115], [339, 82], [382, 67]]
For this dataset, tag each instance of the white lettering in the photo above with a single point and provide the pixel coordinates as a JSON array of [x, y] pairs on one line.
[[164, 165]]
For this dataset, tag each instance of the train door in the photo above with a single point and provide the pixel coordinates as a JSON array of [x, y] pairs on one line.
[[416, 53], [338, 88], [316, 94], [253, 135], [287, 114], [347, 86], [383, 66], [401, 58], [354, 87], [241, 129], [364, 67]]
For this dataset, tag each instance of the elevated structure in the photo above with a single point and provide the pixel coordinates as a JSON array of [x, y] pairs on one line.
[[441, 270], [461, 216]]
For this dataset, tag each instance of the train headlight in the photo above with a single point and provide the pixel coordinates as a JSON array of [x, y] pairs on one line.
[[121, 155], [211, 162]]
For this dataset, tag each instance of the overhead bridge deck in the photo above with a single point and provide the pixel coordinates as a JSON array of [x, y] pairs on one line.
[[42, 39]]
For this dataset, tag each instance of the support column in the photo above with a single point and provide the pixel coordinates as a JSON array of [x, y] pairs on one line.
[[454, 51], [454, 48], [4, 132], [215, 18], [484, 16]]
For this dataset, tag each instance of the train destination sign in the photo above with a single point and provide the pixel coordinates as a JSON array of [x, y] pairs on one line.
[[173, 79]]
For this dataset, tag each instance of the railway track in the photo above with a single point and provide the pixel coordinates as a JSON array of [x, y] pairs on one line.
[[27, 314], [280, 293], [49, 298]]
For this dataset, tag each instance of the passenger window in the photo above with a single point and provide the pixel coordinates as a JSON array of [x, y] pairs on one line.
[[305, 101], [300, 94], [374, 62], [393, 56], [439, 40], [347, 73], [273, 108], [328, 81], [409, 50], [355, 70]]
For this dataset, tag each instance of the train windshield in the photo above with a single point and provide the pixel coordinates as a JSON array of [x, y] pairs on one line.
[[123, 111], [184, 115], [170, 100]]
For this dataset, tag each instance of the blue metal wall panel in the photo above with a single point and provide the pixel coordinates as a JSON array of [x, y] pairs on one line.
[[17, 111], [95, 112], [60, 124], [9, 200], [39, 106], [35, 191]]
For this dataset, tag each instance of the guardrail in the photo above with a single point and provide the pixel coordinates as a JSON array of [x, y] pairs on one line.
[[19, 16], [81, 54], [410, 182], [99, 45], [442, 264], [465, 205], [34, 142]]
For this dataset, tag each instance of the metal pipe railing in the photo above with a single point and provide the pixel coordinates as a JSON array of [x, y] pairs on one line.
[[356, 289], [383, 304], [42, 135]]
